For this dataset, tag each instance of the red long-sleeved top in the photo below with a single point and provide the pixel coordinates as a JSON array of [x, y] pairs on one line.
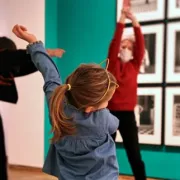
[[125, 97]]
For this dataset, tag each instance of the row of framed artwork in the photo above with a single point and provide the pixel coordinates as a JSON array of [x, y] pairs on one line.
[[149, 10], [151, 70], [162, 45], [148, 113]]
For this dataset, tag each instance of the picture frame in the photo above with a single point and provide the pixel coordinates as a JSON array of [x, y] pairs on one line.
[[145, 10], [151, 69], [172, 116], [173, 9], [148, 113], [173, 53]]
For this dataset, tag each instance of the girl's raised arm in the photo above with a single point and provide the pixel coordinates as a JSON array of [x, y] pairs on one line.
[[41, 60]]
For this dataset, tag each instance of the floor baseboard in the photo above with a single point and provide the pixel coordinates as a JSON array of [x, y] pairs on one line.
[[24, 168]]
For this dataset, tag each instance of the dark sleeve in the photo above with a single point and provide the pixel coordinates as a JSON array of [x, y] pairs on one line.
[[24, 69], [16, 61]]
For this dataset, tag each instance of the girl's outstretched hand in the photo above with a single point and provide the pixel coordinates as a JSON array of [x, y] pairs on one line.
[[21, 32]]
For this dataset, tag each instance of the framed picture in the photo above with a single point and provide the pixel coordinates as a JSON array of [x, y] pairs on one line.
[[173, 8], [151, 70], [173, 53], [145, 10], [172, 119], [148, 116]]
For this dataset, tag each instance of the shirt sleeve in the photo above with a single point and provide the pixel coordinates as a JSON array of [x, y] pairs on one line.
[[139, 48], [114, 46], [112, 122], [13, 58], [47, 68], [23, 69]]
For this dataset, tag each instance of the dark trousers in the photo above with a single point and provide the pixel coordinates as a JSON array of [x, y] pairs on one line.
[[3, 160], [129, 133]]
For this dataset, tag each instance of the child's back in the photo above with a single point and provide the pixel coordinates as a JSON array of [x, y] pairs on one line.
[[90, 154]]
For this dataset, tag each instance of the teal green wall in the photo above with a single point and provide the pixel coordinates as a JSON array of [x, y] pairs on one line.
[[84, 29], [51, 36]]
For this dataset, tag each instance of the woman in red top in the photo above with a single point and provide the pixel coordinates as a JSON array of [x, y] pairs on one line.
[[125, 57]]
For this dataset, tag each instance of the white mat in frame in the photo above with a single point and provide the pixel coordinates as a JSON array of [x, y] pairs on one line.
[[148, 14], [172, 117], [173, 8], [154, 138], [171, 75], [158, 30]]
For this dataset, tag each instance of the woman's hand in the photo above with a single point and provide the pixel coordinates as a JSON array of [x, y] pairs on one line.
[[21, 32], [123, 15], [55, 52], [129, 15]]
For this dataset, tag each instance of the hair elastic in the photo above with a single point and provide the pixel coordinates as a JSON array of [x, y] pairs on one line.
[[69, 87]]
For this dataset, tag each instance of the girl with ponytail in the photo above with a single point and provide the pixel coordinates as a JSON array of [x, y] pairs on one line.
[[82, 147]]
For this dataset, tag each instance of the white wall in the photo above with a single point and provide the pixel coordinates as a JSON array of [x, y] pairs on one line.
[[4, 31], [3, 14], [24, 122]]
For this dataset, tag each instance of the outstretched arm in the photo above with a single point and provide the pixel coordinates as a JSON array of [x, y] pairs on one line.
[[13, 58], [115, 43], [139, 48], [46, 66], [41, 60], [19, 63]]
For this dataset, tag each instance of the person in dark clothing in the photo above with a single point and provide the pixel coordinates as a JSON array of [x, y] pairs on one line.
[[13, 63]]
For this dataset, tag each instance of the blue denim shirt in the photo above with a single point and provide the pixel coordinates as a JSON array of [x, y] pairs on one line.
[[91, 153]]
